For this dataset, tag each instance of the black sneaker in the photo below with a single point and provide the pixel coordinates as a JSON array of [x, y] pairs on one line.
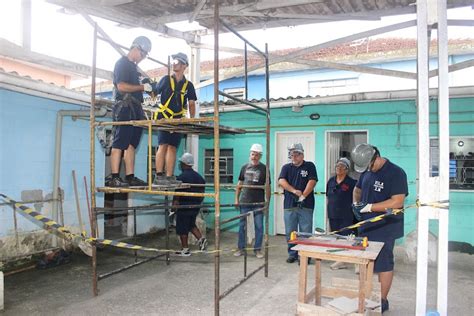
[[160, 180], [384, 305], [136, 182], [117, 182], [172, 180], [202, 244], [291, 259]]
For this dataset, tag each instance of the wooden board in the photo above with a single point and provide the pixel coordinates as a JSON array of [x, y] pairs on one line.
[[349, 255], [332, 243]]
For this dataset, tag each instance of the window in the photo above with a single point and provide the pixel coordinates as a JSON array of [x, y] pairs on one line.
[[226, 165], [333, 86], [461, 162], [235, 92]]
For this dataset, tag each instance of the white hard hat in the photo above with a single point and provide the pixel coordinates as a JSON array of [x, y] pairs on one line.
[[297, 147], [257, 148], [143, 43], [362, 155], [344, 161], [182, 57], [187, 159]]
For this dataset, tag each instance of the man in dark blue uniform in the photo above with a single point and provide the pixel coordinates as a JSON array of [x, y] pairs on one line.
[[298, 178], [128, 93], [186, 217], [339, 201], [177, 93], [382, 186]]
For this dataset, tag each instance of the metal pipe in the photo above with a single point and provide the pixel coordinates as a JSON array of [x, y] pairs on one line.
[[267, 159], [167, 226], [241, 37], [95, 279], [216, 161], [227, 292], [246, 74], [107, 274], [57, 150], [241, 101]]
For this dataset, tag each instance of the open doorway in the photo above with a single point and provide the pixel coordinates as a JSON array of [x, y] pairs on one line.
[[340, 144]]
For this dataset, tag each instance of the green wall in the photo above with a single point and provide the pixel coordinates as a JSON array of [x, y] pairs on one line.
[[381, 121]]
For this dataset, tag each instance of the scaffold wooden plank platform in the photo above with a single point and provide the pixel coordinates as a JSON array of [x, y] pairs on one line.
[[197, 126], [155, 189]]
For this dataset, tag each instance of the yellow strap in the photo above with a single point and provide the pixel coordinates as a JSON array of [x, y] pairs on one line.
[[164, 108]]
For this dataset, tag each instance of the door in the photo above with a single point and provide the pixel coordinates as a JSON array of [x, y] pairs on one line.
[[283, 141], [340, 144]]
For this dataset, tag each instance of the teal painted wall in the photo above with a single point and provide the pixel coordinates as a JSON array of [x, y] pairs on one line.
[[380, 120]]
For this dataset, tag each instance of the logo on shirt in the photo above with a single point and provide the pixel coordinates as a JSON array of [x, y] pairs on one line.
[[378, 186], [304, 173]]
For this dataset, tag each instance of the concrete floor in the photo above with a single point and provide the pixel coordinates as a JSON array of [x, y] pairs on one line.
[[186, 286]]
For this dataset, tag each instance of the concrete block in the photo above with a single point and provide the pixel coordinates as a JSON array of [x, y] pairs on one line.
[[408, 253]]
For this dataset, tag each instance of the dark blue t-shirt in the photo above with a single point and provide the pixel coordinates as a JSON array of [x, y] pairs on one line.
[[298, 177], [164, 88], [340, 198], [377, 187], [191, 176], [126, 71]]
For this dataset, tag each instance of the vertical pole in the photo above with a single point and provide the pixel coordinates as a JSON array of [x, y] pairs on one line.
[[167, 225], [92, 165], [246, 92], [150, 154], [216, 161], [443, 125], [423, 159], [267, 160], [26, 24]]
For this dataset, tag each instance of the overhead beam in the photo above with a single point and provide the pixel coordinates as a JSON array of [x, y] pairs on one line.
[[13, 51], [312, 17], [196, 11], [301, 52], [358, 68], [454, 67], [117, 15]]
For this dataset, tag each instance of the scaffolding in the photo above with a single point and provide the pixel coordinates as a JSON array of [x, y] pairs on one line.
[[196, 126]]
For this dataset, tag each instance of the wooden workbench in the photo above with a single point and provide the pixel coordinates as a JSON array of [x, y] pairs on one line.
[[364, 258]]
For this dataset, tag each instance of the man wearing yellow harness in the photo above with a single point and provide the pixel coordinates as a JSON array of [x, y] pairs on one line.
[[177, 93]]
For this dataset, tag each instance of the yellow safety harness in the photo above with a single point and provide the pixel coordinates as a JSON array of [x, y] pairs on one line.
[[164, 108]]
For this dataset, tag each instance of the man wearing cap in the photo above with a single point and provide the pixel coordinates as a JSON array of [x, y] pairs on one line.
[[298, 179], [186, 217], [382, 186], [177, 93], [128, 95], [339, 190], [252, 173]]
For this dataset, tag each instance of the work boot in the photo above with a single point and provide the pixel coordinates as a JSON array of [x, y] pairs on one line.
[[136, 182], [184, 252], [117, 182], [202, 244], [384, 305], [160, 179], [291, 259], [172, 180]]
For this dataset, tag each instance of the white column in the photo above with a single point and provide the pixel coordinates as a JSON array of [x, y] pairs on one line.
[[443, 125], [195, 76], [423, 159], [26, 24]]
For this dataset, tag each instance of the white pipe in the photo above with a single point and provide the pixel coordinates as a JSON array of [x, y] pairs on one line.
[[57, 150], [443, 126], [423, 159]]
